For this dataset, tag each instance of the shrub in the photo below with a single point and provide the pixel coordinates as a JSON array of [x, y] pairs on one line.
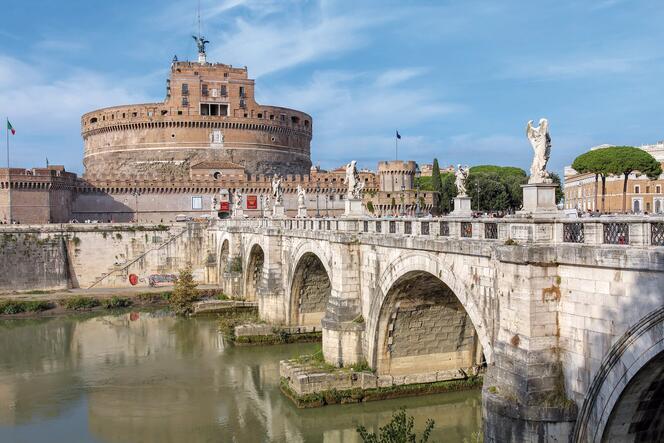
[[184, 294], [116, 302], [80, 303], [399, 429], [221, 296], [361, 366], [11, 307]]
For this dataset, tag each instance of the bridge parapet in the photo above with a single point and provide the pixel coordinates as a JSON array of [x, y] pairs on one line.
[[623, 231]]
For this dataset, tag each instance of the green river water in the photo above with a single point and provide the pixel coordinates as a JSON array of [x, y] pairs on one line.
[[150, 377]]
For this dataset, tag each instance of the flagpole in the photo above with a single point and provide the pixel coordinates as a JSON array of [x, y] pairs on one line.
[[9, 177]]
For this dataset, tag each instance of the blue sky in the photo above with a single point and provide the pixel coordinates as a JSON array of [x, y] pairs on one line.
[[459, 79]]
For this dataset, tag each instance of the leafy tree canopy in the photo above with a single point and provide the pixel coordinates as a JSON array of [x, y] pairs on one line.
[[617, 160]]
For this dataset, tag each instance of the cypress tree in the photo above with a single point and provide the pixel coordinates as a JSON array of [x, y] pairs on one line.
[[437, 185]]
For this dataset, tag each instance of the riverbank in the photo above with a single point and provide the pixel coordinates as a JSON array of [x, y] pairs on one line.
[[35, 304]]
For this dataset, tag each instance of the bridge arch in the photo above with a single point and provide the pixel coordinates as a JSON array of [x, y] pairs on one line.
[[418, 283], [310, 285], [253, 271], [624, 398]]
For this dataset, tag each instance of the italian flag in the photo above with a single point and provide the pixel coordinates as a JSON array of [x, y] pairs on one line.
[[10, 127]]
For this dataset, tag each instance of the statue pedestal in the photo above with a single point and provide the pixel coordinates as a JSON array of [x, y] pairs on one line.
[[462, 207], [539, 198], [278, 211], [301, 212], [238, 213], [353, 208]]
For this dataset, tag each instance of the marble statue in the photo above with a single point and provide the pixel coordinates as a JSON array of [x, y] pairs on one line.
[[541, 142], [301, 196], [355, 185], [237, 200], [461, 175], [277, 190]]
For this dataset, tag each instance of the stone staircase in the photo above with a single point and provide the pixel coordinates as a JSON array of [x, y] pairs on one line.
[[122, 268]]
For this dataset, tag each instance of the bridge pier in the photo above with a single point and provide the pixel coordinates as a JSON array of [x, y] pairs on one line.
[[343, 325], [270, 292]]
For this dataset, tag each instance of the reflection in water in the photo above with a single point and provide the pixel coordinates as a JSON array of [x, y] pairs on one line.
[[156, 378]]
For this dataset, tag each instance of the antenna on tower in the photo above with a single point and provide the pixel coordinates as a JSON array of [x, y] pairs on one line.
[[200, 40], [199, 18]]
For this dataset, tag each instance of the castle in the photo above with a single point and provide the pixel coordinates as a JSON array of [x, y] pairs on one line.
[[154, 162]]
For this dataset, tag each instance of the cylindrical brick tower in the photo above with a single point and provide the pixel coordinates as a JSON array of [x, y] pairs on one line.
[[209, 114]]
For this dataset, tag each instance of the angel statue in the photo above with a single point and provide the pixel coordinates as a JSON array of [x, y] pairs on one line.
[[277, 190], [353, 182], [200, 42], [541, 142], [237, 200], [301, 196], [461, 175]]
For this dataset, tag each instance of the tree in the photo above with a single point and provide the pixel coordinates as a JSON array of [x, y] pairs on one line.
[[623, 160], [499, 187], [594, 162], [449, 191], [184, 294], [559, 189], [437, 185], [398, 430]]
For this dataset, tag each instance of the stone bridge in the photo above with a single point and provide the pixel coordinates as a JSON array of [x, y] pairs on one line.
[[567, 315]]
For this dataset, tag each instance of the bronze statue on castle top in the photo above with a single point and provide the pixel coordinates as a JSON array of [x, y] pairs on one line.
[[200, 42]]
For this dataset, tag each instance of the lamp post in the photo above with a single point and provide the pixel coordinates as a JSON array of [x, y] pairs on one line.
[[317, 198], [477, 185], [136, 193]]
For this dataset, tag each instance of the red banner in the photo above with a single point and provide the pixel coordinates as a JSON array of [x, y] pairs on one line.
[[252, 202], [223, 207]]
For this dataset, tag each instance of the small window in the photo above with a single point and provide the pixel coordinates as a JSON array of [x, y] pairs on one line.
[[658, 189], [306, 123], [185, 89], [295, 120], [271, 116], [164, 112], [196, 203], [225, 74], [93, 120], [242, 93], [637, 189], [123, 115], [134, 114], [179, 112], [246, 115], [223, 91], [216, 175], [150, 113], [647, 189], [260, 115], [204, 90], [283, 117], [185, 101]]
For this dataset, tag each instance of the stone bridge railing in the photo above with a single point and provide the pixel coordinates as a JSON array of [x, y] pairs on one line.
[[625, 230]]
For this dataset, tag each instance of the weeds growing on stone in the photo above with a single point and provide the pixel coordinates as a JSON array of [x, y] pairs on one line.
[[80, 303], [116, 302], [10, 307]]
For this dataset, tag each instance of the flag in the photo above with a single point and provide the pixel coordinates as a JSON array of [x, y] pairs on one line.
[[10, 128], [398, 135]]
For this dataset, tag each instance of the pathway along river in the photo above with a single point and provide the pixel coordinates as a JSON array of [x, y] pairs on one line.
[[149, 377]]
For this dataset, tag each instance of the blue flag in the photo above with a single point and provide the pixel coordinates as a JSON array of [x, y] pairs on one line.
[[398, 135]]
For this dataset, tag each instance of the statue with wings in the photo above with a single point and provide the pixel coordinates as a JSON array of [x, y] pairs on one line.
[[200, 42], [540, 140]]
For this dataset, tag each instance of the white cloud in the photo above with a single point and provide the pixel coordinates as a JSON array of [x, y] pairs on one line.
[[355, 114], [395, 76], [581, 65], [46, 111]]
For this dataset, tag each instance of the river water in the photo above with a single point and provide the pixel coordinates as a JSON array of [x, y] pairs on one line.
[[150, 377]]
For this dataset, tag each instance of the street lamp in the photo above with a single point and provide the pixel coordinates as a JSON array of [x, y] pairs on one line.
[[477, 185], [136, 193]]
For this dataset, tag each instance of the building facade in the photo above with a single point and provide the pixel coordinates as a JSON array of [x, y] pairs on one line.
[[643, 195]]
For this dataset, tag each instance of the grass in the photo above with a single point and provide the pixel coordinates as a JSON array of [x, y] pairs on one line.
[[316, 361], [221, 296], [116, 302], [230, 320], [79, 303], [11, 307]]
